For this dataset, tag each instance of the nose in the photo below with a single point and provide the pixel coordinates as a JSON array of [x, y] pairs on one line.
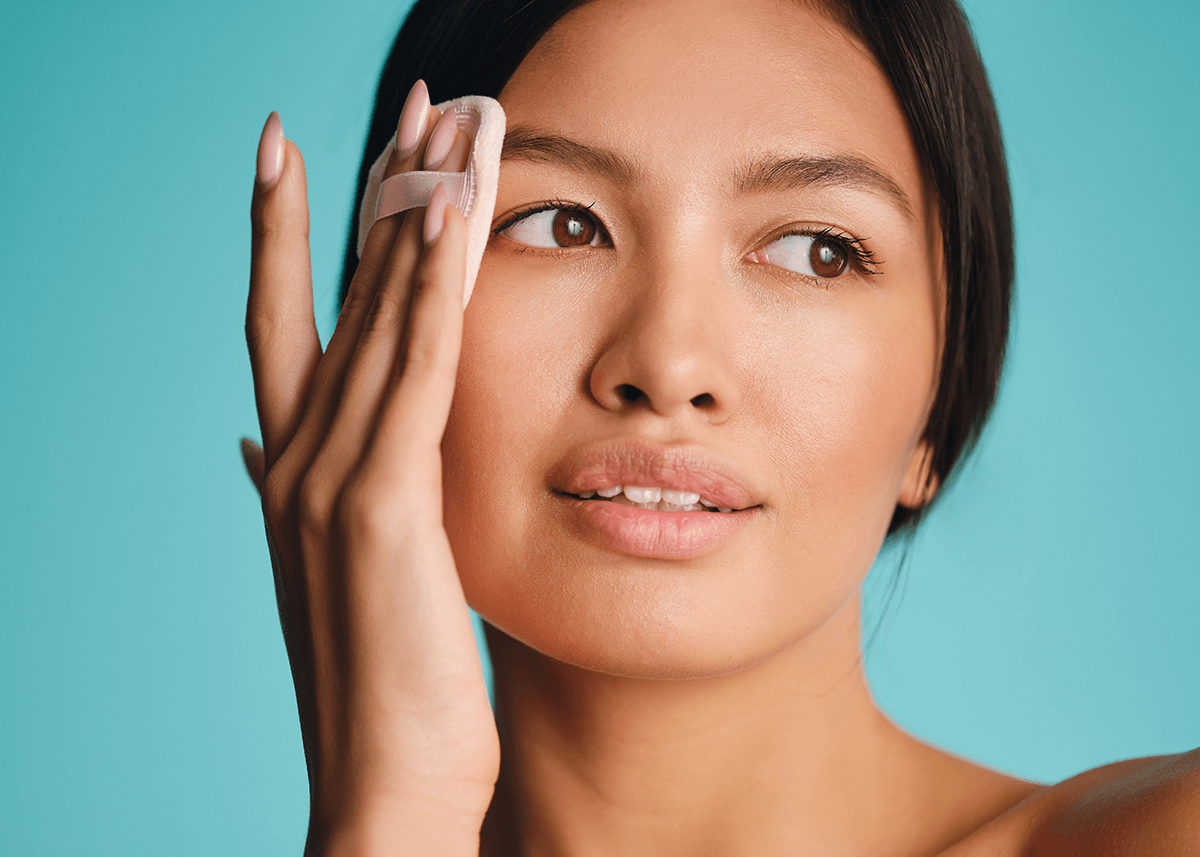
[[668, 352]]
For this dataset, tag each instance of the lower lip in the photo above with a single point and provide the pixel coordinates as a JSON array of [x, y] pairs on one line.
[[660, 535]]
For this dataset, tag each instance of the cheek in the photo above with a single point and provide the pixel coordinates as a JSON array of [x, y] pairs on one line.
[[512, 387], [851, 399], [833, 393]]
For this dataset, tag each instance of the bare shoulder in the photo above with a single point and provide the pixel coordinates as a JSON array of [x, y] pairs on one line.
[[1147, 806]]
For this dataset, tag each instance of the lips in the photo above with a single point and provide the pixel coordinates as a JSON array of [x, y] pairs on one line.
[[650, 532], [688, 469]]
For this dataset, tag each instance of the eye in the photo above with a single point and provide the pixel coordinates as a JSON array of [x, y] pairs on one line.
[[555, 227], [823, 255]]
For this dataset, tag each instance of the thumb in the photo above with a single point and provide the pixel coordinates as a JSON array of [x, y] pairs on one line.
[[256, 463]]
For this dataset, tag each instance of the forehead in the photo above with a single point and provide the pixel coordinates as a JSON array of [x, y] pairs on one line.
[[692, 86]]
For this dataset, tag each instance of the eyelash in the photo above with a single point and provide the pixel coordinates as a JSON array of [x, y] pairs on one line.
[[549, 205], [861, 258]]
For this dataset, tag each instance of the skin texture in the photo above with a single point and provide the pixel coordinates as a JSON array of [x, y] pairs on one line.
[[378, 635], [816, 391], [712, 703]]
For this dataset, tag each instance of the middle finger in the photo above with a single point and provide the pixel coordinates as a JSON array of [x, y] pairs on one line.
[[374, 360], [417, 119]]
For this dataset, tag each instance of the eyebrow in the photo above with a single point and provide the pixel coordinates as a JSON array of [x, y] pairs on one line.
[[832, 171], [523, 143]]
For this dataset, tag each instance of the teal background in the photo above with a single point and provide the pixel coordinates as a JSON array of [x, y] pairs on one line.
[[1047, 622]]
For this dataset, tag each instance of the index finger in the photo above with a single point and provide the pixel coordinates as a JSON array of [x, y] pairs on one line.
[[281, 332]]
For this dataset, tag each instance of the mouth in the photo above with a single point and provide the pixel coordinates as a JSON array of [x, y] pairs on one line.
[[658, 478], [655, 499], [662, 502]]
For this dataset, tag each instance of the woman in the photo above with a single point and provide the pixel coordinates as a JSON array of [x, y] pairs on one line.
[[743, 308]]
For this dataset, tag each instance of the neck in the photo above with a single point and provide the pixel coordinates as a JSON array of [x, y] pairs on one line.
[[789, 754]]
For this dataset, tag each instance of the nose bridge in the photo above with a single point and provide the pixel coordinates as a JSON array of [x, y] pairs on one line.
[[670, 353], [673, 311]]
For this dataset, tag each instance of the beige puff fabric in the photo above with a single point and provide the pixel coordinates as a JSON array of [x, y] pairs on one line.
[[473, 192]]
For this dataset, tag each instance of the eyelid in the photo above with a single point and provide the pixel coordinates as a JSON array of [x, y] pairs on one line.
[[862, 259], [550, 205]]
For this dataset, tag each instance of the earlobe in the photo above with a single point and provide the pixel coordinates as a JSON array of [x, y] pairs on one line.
[[920, 482]]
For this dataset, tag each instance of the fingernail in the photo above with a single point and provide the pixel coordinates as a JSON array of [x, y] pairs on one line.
[[270, 152], [412, 120], [435, 213], [441, 140]]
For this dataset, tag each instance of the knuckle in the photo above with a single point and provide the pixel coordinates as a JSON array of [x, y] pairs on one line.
[[358, 301], [419, 361], [314, 504], [425, 353], [273, 220], [261, 327], [357, 515], [425, 280], [384, 315], [367, 515], [278, 494], [264, 228], [275, 497], [370, 266], [426, 360]]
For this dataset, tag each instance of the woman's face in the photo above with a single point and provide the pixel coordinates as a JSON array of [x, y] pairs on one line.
[[732, 291]]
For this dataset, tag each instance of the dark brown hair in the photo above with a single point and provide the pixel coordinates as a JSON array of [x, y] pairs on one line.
[[927, 52]]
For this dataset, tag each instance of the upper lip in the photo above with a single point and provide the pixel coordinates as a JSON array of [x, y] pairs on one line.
[[690, 468]]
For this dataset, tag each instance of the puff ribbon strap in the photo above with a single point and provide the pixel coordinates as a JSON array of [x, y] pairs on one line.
[[472, 192]]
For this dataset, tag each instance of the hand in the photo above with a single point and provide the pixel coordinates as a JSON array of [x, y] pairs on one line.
[[400, 741]]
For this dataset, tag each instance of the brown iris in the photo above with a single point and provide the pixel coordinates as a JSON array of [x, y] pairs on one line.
[[572, 229], [828, 258]]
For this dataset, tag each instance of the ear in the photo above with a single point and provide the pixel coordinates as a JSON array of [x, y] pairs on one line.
[[920, 482]]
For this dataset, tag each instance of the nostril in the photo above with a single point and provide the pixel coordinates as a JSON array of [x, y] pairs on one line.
[[630, 394], [704, 400]]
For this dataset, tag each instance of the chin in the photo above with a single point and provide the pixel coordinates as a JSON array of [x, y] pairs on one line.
[[637, 654], [644, 623]]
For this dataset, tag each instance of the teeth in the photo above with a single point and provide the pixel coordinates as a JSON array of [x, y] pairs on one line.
[[655, 499], [679, 498], [642, 496]]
